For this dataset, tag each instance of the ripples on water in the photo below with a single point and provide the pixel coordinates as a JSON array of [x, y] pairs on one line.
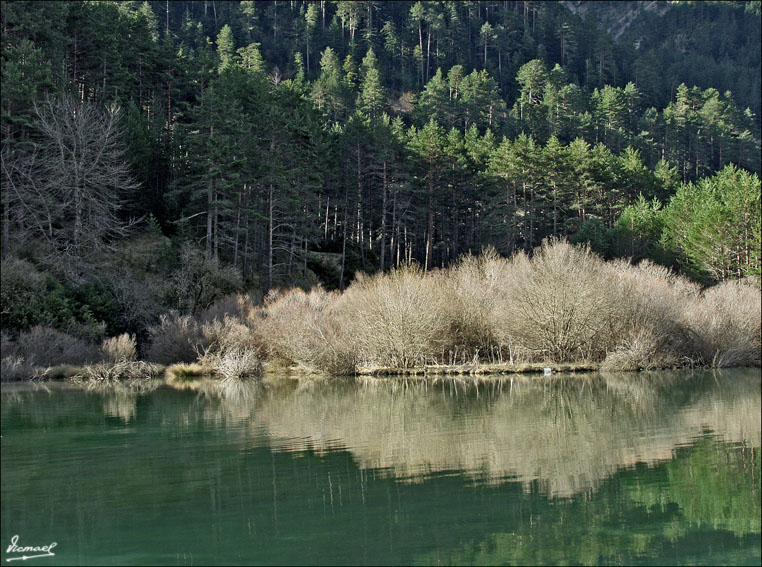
[[652, 468]]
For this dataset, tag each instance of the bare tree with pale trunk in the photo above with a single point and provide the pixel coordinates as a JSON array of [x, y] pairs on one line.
[[68, 190]]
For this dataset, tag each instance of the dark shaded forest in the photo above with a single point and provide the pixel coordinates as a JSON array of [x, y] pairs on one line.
[[162, 155]]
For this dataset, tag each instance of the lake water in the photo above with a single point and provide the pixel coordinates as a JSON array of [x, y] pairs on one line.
[[659, 468]]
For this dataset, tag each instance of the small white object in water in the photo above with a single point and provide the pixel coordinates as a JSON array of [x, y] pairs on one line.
[[548, 371]]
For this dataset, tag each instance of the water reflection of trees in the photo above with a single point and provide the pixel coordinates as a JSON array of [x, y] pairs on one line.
[[561, 436], [567, 434]]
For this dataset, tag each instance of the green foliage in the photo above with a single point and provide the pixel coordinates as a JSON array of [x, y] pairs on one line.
[[595, 234], [637, 232], [715, 225], [22, 290], [31, 297]]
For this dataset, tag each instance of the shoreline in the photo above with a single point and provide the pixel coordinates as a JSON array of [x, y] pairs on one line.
[[69, 374], [488, 369]]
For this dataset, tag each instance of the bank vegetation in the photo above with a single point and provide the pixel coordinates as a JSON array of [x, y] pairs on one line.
[[561, 306]]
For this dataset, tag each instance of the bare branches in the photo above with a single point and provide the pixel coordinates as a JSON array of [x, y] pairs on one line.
[[68, 191]]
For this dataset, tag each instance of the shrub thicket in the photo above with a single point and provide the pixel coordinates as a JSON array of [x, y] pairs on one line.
[[562, 304], [43, 346], [306, 328], [221, 346], [396, 319], [174, 339], [559, 304], [469, 307], [649, 332], [725, 322]]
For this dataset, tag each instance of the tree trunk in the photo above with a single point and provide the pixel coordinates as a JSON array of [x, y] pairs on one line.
[[344, 244], [245, 260], [325, 230], [216, 228], [454, 219], [395, 230], [420, 46], [237, 230], [383, 220], [555, 211], [430, 225], [428, 53], [270, 229], [358, 226]]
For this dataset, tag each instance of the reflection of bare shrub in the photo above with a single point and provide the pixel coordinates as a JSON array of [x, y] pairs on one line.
[[726, 325], [301, 328], [119, 349], [396, 319], [44, 346], [568, 433]]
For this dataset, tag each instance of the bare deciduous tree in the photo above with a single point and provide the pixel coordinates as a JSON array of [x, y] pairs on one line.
[[69, 189]]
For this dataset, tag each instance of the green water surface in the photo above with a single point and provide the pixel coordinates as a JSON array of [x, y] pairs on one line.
[[660, 468]]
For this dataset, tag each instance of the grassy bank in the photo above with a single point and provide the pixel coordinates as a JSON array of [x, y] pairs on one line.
[[563, 308]]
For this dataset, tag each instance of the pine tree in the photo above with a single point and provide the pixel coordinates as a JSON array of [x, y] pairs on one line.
[[428, 144], [225, 48], [372, 99]]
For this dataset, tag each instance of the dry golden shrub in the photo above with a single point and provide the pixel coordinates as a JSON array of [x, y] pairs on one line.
[[471, 288], [396, 319], [119, 349], [228, 349], [725, 324], [647, 332], [558, 305], [301, 327]]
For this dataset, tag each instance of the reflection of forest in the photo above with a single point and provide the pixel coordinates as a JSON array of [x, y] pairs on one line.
[[603, 446], [568, 434]]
